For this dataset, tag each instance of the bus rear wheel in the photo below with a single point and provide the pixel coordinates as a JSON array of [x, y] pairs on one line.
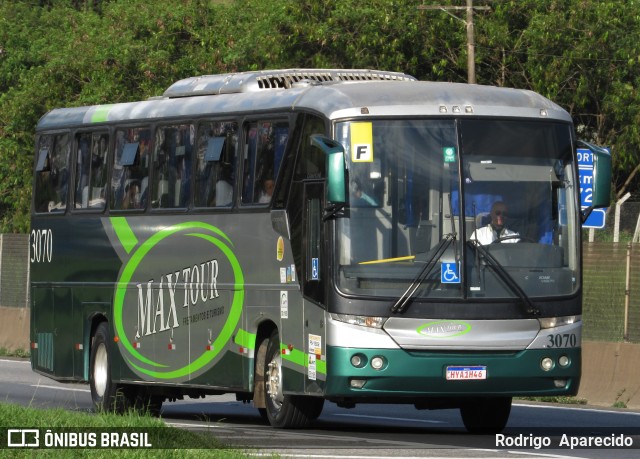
[[486, 415], [285, 411], [106, 395]]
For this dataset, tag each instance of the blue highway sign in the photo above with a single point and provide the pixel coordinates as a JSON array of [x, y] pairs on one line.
[[585, 169]]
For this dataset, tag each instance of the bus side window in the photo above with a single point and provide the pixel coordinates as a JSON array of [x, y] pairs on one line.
[[52, 173], [311, 163], [216, 163], [266, 142], [130, 176], [91, 171], [172, 166]]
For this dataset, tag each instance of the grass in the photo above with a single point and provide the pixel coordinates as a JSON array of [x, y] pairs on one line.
[[4, 352], [620, 403], [176, 443], [564, 400]]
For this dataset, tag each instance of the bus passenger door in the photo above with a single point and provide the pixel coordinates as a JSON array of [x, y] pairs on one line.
[[313, 287]]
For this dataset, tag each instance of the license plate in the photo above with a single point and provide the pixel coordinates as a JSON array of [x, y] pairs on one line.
[[466, 373]]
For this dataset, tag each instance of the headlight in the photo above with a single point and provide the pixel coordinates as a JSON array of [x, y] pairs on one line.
[[552, 322], [547, 364], [363, 321]]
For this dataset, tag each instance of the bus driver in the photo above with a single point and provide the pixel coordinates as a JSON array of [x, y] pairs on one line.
[[496, 229]]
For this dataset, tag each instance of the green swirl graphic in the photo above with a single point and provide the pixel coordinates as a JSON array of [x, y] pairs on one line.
[[223, 243]]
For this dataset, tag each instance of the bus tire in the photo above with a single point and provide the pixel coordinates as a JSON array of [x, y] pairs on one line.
[[486, 415], [106, 395], [285, 411]]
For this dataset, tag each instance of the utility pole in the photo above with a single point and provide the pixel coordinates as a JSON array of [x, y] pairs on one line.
[[471, 41]]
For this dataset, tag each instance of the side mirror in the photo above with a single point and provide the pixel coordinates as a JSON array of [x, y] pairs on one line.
[[601, 178], [336, 168]]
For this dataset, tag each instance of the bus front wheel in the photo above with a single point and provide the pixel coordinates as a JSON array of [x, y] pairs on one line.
[[106, 395], [285, 411], [486, 415]]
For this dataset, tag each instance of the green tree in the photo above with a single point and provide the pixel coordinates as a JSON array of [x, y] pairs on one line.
[[59, 54], [583, 54]]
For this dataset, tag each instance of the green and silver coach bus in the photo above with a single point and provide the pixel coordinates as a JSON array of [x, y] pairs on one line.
[[296, 236]]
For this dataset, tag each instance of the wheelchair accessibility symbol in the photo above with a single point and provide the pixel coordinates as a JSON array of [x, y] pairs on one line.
[[449, 273]]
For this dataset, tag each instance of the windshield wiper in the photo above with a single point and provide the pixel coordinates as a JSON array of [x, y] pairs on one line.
[[530, 308], [405, 299]]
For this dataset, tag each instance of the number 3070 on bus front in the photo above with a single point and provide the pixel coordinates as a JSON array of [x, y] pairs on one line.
[[562, 340]]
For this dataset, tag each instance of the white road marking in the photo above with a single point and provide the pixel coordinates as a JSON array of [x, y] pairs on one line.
[[386, 418], [59, 388]]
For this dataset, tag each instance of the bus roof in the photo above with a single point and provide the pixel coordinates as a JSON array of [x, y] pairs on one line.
[[335, 93]]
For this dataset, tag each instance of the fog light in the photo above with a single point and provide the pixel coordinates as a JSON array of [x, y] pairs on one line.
[[560, 383], [546, 364], [377, 363], [358, 383], [358, 360], [564, 361]]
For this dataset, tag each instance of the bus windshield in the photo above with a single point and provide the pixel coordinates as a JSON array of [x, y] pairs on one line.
[[500, 193]]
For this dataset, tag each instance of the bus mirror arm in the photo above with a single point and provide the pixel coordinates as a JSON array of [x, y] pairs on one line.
[[585, 213], [333, 211]]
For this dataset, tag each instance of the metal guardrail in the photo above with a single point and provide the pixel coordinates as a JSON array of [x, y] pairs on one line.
[[14, 270]]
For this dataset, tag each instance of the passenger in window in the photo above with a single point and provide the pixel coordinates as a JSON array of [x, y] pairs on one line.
[[496, 230], [45, 192], [224, 186], [359, 198], [267, 191], [131, 198]]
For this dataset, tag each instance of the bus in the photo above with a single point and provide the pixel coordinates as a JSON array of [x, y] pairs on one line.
[[307, 235]]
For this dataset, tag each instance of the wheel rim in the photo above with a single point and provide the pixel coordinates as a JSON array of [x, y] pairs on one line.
[[100, 366], [274, 381]]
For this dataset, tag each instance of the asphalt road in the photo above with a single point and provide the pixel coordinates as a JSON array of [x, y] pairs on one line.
[[365, 431]]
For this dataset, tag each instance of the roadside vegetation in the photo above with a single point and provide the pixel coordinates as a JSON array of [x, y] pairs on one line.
[[559, 400], [582, 54], [20, 353], [177, 443]]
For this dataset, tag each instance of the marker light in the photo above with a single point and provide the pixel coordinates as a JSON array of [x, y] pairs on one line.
[[357, 383]]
